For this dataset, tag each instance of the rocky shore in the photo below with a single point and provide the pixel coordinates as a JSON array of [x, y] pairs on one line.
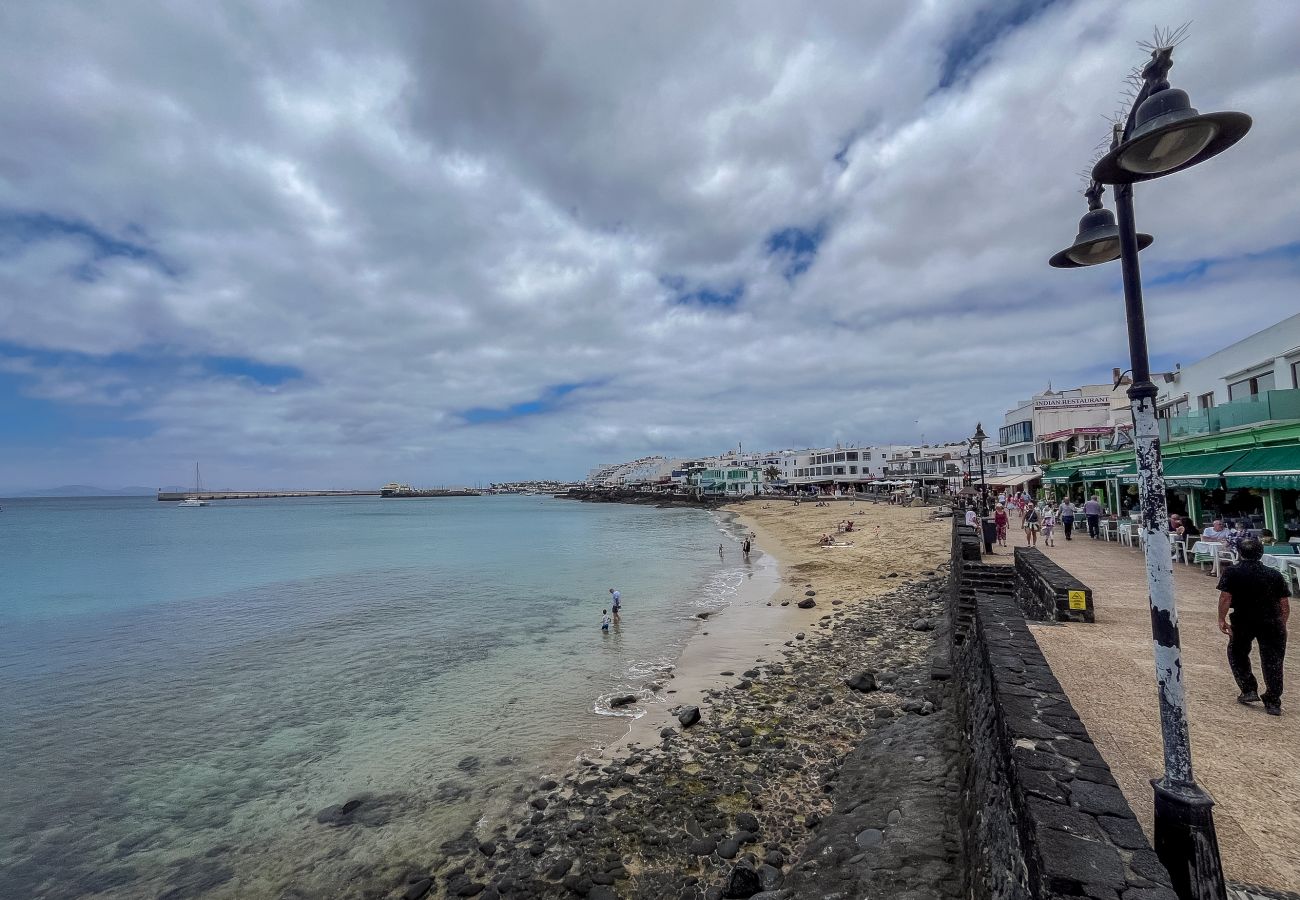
[[825, 770]]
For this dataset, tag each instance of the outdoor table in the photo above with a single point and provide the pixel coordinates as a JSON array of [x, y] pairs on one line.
[[1209, 551]]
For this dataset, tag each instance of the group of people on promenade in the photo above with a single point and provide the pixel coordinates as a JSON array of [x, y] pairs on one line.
[[1254, 599]]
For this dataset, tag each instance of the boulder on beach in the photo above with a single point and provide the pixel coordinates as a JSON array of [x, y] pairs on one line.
[[810, 593], [688, 716], [863, 681], [807, 603], [622, 700], [743, 882]]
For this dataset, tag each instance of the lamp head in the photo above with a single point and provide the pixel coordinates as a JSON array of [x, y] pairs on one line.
[[1096, 242], [1166, 133], [979, 437]]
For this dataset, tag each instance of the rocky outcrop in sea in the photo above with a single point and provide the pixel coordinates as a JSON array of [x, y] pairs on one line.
[[825, 770]]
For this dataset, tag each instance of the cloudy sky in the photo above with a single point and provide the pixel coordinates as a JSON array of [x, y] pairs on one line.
[[330, 245]]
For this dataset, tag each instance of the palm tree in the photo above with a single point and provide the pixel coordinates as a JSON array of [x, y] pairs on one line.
[[771, 473]]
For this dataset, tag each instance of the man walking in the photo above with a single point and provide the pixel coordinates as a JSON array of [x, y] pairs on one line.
[[617, 598], [1261, 604], [1067, 517], [1092, 509]]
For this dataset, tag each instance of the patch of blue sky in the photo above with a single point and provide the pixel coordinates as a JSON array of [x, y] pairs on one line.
[[685, 294], [965, 51], [159, 363], [19, 230], [797, 247], [1193, 271], [25, 419], [550, 399]]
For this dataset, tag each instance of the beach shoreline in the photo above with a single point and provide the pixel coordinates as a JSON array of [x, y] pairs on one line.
[[653, 808]]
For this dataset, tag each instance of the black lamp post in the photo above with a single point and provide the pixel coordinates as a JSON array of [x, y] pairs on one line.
[[1163, 134], [978, 440]]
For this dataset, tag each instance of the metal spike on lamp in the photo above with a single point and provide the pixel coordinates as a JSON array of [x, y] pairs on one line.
[[1163, 134]]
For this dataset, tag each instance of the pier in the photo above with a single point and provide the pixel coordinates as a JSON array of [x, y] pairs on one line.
[[256, 495]]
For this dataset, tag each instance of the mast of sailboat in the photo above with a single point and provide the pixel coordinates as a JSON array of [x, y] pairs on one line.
[[198, 480]]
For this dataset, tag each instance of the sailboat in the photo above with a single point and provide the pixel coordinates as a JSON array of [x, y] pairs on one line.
[[198, 489]]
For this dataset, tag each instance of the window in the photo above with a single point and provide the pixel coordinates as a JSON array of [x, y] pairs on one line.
[[839, 457], [1030, 458], [1295, 374], [853, 470], [1250, 387], [839, 470], [1017, 433], [1205, 401], [853, 455]]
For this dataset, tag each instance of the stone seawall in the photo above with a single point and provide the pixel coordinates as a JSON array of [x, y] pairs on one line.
[[1041, 814], [1048, 593]]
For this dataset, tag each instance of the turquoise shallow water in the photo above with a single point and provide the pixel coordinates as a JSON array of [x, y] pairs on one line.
[[183, 690]]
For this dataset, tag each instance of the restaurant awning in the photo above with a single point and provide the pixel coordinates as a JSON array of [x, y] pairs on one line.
[[1201, 470], [1267, 467], [1128, 474], [1013, 480], [1061, 476], [1101, 473]]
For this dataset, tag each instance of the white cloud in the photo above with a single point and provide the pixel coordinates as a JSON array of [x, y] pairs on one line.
[[456, 207]]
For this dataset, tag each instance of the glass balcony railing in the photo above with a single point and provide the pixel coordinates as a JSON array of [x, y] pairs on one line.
[[1268, 406]]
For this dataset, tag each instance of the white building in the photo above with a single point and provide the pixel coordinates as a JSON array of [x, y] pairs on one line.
[[1055, 425], [1267, 360]]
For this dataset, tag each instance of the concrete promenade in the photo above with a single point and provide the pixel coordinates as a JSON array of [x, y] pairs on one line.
[[1248, 761]]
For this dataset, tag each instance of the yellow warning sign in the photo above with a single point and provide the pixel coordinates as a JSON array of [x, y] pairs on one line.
[[1078, 600]]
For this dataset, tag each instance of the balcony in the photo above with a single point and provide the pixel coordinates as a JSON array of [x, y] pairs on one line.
[[1268, 406]]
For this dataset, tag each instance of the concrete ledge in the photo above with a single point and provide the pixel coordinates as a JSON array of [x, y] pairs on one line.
[[1047, 592]]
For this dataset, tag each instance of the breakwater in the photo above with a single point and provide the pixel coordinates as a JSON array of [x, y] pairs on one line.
[[615, 495], [167, 496]]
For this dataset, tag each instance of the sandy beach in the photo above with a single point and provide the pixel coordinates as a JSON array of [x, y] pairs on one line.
[[887, 543], [679, 809]]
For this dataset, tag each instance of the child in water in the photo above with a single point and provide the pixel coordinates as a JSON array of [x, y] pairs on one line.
[[604, 622]]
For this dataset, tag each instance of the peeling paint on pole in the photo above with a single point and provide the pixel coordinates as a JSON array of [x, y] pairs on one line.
[[1160, 581]]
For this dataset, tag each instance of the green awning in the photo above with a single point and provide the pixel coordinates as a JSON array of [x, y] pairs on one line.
[[1268, 467], [1200, 470], [1101, 473], [1128, 474], [1060, 476]]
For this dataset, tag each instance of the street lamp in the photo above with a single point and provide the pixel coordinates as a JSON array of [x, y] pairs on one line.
[[1163, 134], [978, 440]]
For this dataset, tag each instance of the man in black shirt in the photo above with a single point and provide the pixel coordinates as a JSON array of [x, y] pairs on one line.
[[1261, 604]]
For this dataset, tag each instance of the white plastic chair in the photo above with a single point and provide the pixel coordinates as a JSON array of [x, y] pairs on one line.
[[1288, 572], [1126, 534], [1176, 549]]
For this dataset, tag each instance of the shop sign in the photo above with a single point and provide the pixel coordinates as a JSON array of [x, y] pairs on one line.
[[1073, 403]]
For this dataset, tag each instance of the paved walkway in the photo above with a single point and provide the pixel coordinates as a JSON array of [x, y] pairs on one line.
[[1248, 761]]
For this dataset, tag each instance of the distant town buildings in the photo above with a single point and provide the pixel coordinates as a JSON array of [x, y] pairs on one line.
[[1238, 407]]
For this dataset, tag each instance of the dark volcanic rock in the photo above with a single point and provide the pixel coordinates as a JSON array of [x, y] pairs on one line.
[[689, 716], [747, 821], [702, 846], [418, 889], [807, 603], [742, 882], [622, 700], [863, 681], [469, 764]]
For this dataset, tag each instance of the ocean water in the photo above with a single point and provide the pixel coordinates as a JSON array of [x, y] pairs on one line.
[[184, 691]]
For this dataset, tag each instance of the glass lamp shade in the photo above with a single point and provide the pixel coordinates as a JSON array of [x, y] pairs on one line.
[[1096, 242], [1169, 135]]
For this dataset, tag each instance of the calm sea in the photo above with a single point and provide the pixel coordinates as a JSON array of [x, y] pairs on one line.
[[182, 691]]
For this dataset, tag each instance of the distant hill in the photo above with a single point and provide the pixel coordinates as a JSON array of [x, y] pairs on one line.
[[88, 490]]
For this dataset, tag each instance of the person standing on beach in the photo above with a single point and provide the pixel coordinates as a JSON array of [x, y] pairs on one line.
[[719, 551], [1067, 517], [1260, 602], [1092, 509], [617, 602], [605, 620], [744, 549]]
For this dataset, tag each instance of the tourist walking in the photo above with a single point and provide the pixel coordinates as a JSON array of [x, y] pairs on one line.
[[1067, 517], [1031, 523], [616, 603], [1049, 525], [1092, 510], [1260, 604], [1000, 520], [744, 549]]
